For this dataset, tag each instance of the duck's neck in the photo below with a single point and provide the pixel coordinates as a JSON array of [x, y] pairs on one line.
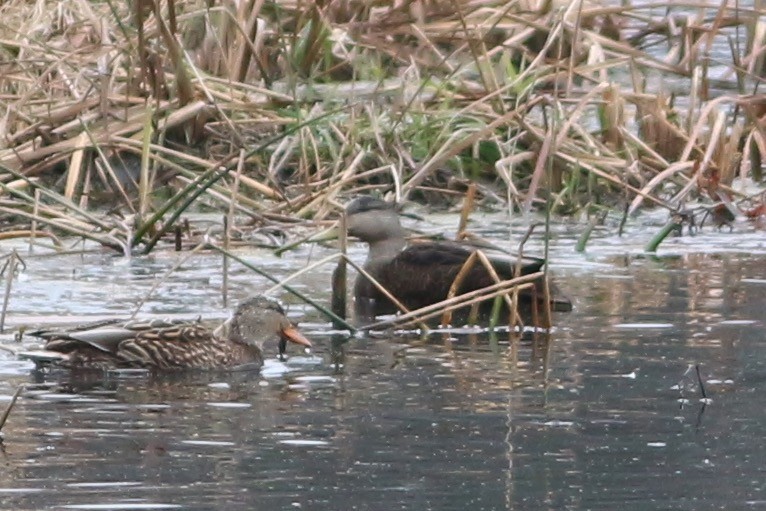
[[386, 249]]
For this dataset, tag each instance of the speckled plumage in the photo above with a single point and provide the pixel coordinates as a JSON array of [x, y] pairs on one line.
[[172, 344]]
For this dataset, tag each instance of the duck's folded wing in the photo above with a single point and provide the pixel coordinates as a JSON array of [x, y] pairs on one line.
[[453, 254], [61, 345], [103, 339], [53, 333], [108, 338]]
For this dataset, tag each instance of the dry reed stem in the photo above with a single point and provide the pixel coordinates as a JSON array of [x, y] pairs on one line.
[[340, 274], [457, 282], [303, 271], [459, 301], [399, 305], [7, 412], [465, 211], [469, 73], [158, 282]]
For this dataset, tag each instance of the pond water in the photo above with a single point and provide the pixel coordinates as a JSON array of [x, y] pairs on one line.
[[602, 413]]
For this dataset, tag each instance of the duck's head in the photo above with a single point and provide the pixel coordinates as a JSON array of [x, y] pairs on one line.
[[260, 320], [372, 220]]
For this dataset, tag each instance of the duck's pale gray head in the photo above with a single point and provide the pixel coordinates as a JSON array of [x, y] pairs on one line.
[[372, 220], [260, 320]]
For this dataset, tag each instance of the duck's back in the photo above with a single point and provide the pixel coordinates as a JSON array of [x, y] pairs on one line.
[[423, 273]]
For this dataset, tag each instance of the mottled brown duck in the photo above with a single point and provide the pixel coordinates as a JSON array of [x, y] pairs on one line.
[[173, 344], [420, 274]]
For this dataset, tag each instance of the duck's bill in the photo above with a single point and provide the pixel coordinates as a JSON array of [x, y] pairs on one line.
[[293, 335]]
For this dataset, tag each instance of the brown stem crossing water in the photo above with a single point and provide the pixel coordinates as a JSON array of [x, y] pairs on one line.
[[601, 415]]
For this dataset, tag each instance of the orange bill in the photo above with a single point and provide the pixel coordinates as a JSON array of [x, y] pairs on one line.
[[293, 335]]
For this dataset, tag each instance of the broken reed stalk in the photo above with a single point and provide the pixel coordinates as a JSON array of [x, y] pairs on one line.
[[328, 313], [340, 273], [457, 282], [9, 235], [302, 271], [673, 225], [92, 220], [463, 273], [228, 224], [429, 311], [699, 381], [11, 263], [225, 263], [465, 212], [35, 213], [200, 185], [8, 408], [106, 241], [512, 303], [399, 305], [460, 301]]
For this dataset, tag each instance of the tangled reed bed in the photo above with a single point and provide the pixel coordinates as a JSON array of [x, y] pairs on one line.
[[119, 118]]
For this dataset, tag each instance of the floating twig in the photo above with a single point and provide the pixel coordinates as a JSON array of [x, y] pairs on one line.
[[699, 381], [11, 264], [8, 409]]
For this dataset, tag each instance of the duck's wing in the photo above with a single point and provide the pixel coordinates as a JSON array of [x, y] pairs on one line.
[[96, 343], [52, 333], [446, 255], [108, 336], [423, 273]]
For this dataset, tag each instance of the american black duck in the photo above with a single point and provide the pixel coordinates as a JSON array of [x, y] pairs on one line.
[[420, 274]]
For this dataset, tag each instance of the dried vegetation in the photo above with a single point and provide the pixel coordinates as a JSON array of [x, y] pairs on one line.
[[119, 118]]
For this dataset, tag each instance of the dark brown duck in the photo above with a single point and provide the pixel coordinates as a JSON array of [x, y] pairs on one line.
[[421, 274], [173, 344]]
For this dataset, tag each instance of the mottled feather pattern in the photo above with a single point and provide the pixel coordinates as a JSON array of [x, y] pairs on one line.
[[173, 344], [160, 343], [180, 332], [165, 355]]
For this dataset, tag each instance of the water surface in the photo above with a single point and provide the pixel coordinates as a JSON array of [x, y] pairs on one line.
[[600, 414]]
